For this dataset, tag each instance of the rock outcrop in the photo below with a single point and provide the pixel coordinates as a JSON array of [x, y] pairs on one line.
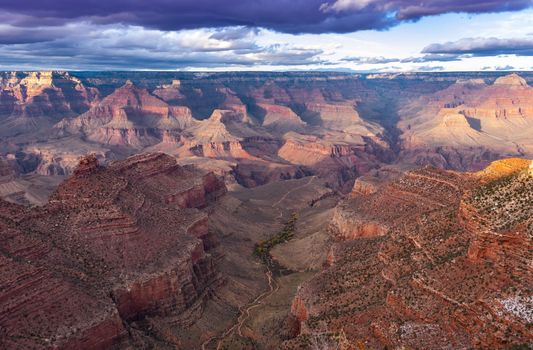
[[118, 252], [337, 126], [427, 262], [130, 116], [512, 79], [280, 118], [32, 102]]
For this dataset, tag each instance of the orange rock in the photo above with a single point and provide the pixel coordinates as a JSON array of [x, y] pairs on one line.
[[445, 273]]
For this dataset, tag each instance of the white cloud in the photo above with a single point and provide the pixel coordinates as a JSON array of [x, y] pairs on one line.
[[88, 46]]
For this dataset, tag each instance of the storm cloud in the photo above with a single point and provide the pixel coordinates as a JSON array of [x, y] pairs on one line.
[[290, 16], [189, 34]]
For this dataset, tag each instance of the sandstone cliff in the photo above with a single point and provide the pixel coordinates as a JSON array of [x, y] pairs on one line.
[[33, 101], [480, 122], [432, 260], [337, 126], [116, 248]]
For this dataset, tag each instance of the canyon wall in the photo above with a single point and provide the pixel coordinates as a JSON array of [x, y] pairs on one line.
[[117, 251], [427, 262]]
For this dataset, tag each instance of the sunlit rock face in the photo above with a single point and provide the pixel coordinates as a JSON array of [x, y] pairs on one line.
[[33, 101], [337, 126], [469, 124]]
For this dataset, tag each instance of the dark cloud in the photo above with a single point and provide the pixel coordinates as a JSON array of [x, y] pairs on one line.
[[415, 10], [291, 16], [174, 34], [483, 47], [15, 35]]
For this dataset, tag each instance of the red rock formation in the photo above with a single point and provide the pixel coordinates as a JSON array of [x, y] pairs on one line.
[[446, 272], [338, 161], [109, 249], [170, 92], [87, 165], [249, 116], [346, 123], [280, 118], [130, 116], [474, 120], [8, 168], [33, 101], [346, 226], [219, 136], [251, 174]]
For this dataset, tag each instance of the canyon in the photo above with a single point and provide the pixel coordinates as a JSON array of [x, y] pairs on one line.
[[113, 247], [298, 210], [255, 128]]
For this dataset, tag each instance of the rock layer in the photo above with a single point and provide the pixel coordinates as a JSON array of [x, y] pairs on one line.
[[443, 270], [114, 247], [476, 121]]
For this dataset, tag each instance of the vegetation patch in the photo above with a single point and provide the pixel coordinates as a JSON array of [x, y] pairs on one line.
[[262, 249], [508, 201]]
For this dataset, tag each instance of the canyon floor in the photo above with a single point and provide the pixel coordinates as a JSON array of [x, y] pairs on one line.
[[262, 296]]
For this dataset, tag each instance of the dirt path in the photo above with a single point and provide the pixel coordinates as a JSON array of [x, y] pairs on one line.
[[444, 182], [273, 286], [294, 189], [244, 313]]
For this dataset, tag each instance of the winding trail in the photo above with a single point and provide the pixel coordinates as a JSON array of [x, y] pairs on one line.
[[294, 189], [273, 286], [244, 311], [444, 182]]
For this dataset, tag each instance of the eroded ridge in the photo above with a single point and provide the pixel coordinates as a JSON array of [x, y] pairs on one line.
[[118, 257], [444, 271]]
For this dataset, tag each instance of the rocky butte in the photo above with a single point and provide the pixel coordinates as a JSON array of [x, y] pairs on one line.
[[266, 127], [459, 127], [113, 249]]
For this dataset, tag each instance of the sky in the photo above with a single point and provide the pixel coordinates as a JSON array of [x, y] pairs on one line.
[[222, 35]]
